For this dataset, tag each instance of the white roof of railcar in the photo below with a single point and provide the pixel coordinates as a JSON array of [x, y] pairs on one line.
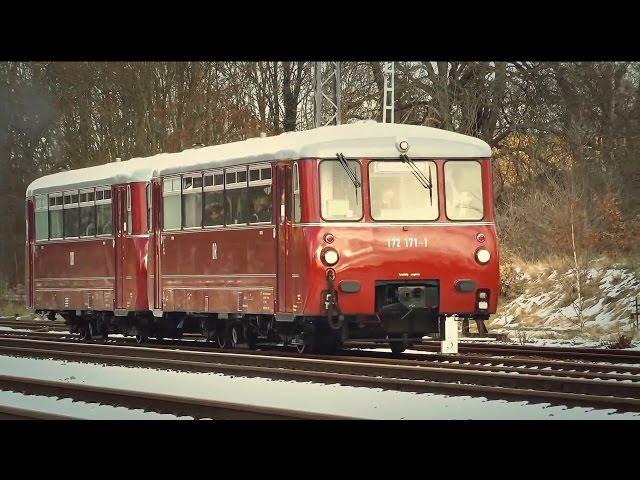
[[367, 139]]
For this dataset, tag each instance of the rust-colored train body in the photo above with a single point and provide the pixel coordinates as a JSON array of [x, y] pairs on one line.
[[307, 238]]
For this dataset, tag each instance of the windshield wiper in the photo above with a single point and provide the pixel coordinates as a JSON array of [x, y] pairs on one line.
[[424, 181], [352, 175]]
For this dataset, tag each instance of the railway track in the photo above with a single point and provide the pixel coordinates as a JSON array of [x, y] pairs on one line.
[[595, 389], [575, 353], [357, 354], [13, 413], [468, 348], [152, 401], [481, 361], [34, 325]]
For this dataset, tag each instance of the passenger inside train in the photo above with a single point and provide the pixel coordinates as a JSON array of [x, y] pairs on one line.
[[261, 209], [214, 215]]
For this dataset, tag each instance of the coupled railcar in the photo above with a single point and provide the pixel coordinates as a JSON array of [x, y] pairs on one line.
[[309, 238]]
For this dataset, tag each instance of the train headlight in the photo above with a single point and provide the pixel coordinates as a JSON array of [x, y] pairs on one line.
[[329, 256], [483, 255]]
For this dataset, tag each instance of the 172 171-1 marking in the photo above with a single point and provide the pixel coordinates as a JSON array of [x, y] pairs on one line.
[[407, 242]]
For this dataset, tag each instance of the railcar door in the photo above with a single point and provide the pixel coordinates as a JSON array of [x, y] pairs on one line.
[[119, 195], [283, 211]]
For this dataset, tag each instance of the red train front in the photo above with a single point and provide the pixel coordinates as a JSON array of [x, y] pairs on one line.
[[308, 238]]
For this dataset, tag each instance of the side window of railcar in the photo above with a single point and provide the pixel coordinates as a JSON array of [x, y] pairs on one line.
[[71, 215], [192, 200], [103, 211], [129, 225], [236, 195], [214, 198], [87, 213], [42, 217], [296, 193], [171, 206], [463, 190], [340, 198], [55, 215], [149, 203], [260, 194]]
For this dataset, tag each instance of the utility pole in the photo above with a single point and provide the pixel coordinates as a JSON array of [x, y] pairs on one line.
[[327, 93], [388, 71]]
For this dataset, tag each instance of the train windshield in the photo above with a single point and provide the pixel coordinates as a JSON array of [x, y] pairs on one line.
[[341, 197], [463, 190], [397, 193]]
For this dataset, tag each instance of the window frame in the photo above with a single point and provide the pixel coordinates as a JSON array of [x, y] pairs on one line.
[[103, 201], [74, 206], [436, 200], [214, 188], [191, 191], [173, 192], [149, 199], [359, 162], [129, 215], [53, 208], [85, 204], [236, 186], [260, 167], [444, 193], [297, 194], [40, 208]]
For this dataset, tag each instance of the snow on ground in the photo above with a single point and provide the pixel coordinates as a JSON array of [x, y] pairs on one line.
[[543, 305], [335, 399]]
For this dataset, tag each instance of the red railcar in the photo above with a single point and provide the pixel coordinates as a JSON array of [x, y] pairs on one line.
[[309, 238]]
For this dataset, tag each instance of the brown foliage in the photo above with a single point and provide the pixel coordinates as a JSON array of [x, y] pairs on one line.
[[565, 135]]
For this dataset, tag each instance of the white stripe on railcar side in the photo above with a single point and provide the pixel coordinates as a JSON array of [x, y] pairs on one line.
[[222, 228], [242, 275], [385, 225], [74, 278], [165, 288], [73, 289]]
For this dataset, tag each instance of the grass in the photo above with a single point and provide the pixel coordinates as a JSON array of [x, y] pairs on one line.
[[9, 309]]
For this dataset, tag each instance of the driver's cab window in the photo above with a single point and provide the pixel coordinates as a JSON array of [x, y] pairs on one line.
[[340, 191], [463, 190]]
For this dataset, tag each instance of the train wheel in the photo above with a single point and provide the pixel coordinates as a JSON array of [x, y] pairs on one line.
[[309, 340], [303, 347], [223, 339], [398, 346], [141, 339], [85, 333], [211, 337], [236, 335], [312, 343], [251, 338]]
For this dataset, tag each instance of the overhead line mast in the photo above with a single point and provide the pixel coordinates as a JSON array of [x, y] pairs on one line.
[[388, 71], [327, 94]]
